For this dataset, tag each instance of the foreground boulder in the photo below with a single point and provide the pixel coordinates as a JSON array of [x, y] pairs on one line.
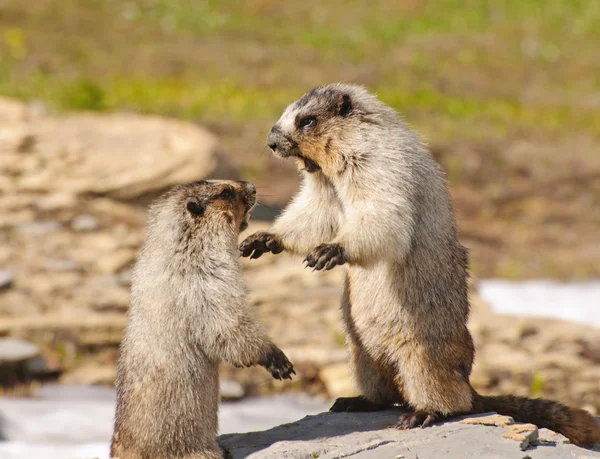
[[367, 435]]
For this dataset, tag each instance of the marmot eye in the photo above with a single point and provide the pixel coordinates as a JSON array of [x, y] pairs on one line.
[[307, 121], [226, 193], [194, 208]]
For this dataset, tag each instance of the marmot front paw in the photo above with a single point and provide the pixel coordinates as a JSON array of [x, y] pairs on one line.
[[326, 256], [278, 364], [260, 243]]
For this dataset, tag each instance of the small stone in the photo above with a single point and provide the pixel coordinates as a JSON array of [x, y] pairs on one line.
[[91, 373], [6, 279], [115, 261], [17, 350], [85, 222], [38, 228], [115, 298], [492, 420], [231, 390], [525, 434], [61, 265], [37, 366], [124, 277], [54, 201]]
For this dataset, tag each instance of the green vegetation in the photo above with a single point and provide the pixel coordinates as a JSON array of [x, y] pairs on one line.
[[537, 386], [504, 65]]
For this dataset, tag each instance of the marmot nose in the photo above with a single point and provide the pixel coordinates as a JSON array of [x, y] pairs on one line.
[[248, 186], [274, 137]]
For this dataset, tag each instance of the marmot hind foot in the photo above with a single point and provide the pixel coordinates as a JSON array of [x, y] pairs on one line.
[[357, 404]]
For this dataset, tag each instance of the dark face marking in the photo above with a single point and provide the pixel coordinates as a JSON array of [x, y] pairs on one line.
[[306, 122], [195, 208], [204, 200], [318, 114], [345, 106], [227, 193]]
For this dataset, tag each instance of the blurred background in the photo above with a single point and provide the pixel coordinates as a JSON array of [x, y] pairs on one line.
[[107, 103]]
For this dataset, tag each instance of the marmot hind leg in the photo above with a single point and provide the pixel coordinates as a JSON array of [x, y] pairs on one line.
[[436, 383]]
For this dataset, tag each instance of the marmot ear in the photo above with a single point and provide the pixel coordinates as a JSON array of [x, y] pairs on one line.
[[195, 208], [345, 106]]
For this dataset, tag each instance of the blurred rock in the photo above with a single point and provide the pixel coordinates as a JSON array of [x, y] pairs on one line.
[[11, 110], [115, 298], [120, 155], [91, 374], [17, 350], [338, 380], [114, 261], [39, 228], [6, 279], [85, 222], [20, 362], [60, 265]]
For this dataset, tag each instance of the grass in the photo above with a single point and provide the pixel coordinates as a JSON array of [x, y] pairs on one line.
[[143, 55]]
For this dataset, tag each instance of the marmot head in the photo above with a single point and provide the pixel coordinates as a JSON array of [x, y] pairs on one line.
[[202, 210], [318, 128]]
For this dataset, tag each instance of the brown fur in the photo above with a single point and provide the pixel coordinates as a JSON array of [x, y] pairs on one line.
[[374, 199]]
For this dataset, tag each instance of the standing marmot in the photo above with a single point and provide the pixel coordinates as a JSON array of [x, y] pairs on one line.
[[372, 197], [188, 313]]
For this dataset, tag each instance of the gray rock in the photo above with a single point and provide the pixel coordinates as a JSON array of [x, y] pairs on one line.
[[85, 222], [6, 279], [366, 435], [38, 228], [56, 264], [17, 350]]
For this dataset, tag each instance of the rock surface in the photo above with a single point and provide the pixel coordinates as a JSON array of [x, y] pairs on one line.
[[367, 435]]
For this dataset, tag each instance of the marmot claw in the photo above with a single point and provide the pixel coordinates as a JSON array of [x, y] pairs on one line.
[[326, 256], [278, 364], [259, 243], [417, 419]]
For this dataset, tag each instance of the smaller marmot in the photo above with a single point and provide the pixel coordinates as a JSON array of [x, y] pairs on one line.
[[189, 311]]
